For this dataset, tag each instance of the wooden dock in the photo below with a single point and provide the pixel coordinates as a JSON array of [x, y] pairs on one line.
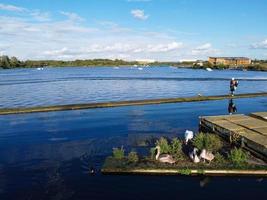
[[248, 131]]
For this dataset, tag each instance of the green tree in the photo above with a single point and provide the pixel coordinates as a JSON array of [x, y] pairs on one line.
[[5, 62]]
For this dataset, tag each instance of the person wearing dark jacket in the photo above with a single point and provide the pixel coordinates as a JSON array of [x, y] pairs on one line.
[[233, 86]]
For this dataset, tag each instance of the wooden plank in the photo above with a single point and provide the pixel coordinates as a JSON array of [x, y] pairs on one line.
[[239, 118], [262, 131], [253, 130], [252, 123], [260, 115], [229, 125]]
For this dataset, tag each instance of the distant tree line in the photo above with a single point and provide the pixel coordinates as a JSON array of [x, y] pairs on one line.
[[9, 63], [13, 62]]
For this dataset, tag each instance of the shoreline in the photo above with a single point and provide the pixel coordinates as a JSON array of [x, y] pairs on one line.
[[143, 66]]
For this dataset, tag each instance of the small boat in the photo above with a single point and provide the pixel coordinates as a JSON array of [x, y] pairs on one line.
[[40, 68], [140, 68], [116, 68], [209, 69]]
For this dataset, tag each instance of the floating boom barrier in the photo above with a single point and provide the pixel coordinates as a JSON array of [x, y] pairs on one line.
[[8, 111]]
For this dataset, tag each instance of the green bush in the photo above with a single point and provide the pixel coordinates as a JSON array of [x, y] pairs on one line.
[[209, 142], [219, 159], [176, 148], [164, 146], [238, 157], [221, 66], [118, 153], [133, 157]]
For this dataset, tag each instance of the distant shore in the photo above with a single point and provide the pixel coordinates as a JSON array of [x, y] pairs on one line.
[[13, 62]]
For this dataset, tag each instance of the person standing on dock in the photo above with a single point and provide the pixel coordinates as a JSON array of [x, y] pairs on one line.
[[233, 86]]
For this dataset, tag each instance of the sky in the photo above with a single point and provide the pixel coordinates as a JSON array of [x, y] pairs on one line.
[[162, 30]]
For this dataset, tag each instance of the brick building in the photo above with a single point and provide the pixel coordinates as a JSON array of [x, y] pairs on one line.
[[229, 60]]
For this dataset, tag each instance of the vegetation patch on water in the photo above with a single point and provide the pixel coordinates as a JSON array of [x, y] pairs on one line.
[[204, 153]]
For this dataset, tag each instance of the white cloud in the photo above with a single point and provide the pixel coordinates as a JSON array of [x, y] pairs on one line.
[[203, 47], [11, 8], [165, 47], [72, 16], [40, 16], [41, 36], [204, 50], [139, 14], [113, 27], [116, 49], [260, 45], [65, 39]]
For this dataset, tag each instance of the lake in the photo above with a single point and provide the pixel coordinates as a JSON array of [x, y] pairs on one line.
[[49, 155], [53, 86]]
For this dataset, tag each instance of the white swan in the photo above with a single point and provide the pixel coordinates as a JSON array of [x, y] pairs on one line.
[[164, 158], [188, 136], [193, 156], [206, 155]]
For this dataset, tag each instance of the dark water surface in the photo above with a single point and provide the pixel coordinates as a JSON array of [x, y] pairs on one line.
[[49, 155]]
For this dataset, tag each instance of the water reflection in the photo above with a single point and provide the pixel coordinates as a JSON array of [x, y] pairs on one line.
[[232, 107], [204, 181]]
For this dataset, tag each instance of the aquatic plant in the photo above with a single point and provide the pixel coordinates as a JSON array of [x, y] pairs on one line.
[[185, 171], [163, 144], [207, 141], [176, 148], [238, 157], [219, 159], [133, 157], [118, 153]]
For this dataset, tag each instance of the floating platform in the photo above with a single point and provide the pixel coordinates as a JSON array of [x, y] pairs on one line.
[[248, 131], [148, 166], [188, 172], [7, 111]]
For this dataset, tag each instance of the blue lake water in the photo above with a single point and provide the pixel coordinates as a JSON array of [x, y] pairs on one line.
[[53, 86], [48, 155]]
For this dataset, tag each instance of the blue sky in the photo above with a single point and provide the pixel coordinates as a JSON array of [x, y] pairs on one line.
[[165, 30]]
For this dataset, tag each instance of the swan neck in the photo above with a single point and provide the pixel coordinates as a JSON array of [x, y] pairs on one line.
[[158, 153]]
